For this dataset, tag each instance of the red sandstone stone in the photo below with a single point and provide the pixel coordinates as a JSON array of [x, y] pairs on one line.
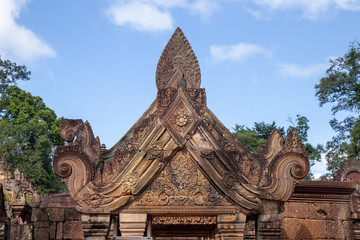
[[73, 230], [52, 230], [55, 214], [41, 233], [340, 211], [71, 214], [320, 211], [59, 230], [39, 215], [297, 210]]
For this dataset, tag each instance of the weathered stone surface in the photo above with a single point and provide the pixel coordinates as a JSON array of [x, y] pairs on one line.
[[340, 211], [39, 215], [52, 230], [41, 233], [296, 210], [56, 214], [71, 214], [60, 200], [59, 230], [320, 211], [73, 230], [42, 224], [21, 231]]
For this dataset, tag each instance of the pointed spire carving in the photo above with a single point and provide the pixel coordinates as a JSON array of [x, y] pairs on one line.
[[176, 61]]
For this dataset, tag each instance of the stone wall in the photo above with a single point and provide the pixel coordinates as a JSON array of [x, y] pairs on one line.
[[55, 217], [319, 210]]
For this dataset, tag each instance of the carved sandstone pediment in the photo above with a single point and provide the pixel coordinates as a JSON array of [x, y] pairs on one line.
[[177, 154]]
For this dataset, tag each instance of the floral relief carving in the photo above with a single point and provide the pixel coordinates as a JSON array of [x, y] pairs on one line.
[[96, 200], [181, 184], [200, 220]]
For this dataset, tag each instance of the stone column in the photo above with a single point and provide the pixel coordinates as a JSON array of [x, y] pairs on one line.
[[95, 226], [270, 220], [230, 226], [132, 225]]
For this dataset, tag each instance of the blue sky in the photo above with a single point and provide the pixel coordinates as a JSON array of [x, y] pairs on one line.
[[259, 59]]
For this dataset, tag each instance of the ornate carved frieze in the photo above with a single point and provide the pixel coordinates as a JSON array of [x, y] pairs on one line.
[[183, 220], [181, 184]]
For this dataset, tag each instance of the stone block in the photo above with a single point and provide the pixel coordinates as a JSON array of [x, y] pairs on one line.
[[340, 211], [320, 211], [39, 215], [41, 233], [335, 230], [59, 230], [52, 230], [21, 231], [71, 214], [317, 228], [41, 224], [297, 210], [293, 228], [56, 214], [73, 230]]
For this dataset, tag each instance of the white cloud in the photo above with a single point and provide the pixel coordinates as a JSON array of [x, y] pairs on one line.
[[243, 51], [294, 70], [238, 52], [155, 15], [310, 9], [141, 16], [17, 42]]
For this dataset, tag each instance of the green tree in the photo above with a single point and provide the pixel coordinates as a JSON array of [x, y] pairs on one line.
[[10, 73], [261, 131], [29, 131], [341, 88], [256, 136]]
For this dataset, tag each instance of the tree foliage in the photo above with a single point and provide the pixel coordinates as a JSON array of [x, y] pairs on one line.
[[29, 130], [10, 73], [261, 131], [341, 88]]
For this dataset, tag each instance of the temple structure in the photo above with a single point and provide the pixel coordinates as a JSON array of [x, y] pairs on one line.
[[178, 173]]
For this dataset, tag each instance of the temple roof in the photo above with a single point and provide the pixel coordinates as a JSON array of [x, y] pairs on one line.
[[177, 128]]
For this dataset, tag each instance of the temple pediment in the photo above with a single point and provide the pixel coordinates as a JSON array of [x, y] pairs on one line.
[[177, 154]]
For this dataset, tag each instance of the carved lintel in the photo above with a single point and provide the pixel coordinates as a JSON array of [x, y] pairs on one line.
[[183, 220], [230, 226]]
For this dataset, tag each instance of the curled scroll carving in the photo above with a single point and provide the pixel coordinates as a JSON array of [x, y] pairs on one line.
[[289, 164], [76, 162]]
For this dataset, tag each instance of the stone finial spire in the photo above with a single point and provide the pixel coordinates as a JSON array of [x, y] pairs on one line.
[[176, 61]]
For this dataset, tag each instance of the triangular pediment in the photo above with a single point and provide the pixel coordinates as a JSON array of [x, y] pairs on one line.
[[177, 154]]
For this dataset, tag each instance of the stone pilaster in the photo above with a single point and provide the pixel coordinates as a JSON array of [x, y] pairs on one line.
[[230, 226], [95, 226], [270, 221], [132, 225]]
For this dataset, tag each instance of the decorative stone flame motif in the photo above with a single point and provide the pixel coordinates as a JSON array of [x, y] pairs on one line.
[[178, 59], [181, 184]]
